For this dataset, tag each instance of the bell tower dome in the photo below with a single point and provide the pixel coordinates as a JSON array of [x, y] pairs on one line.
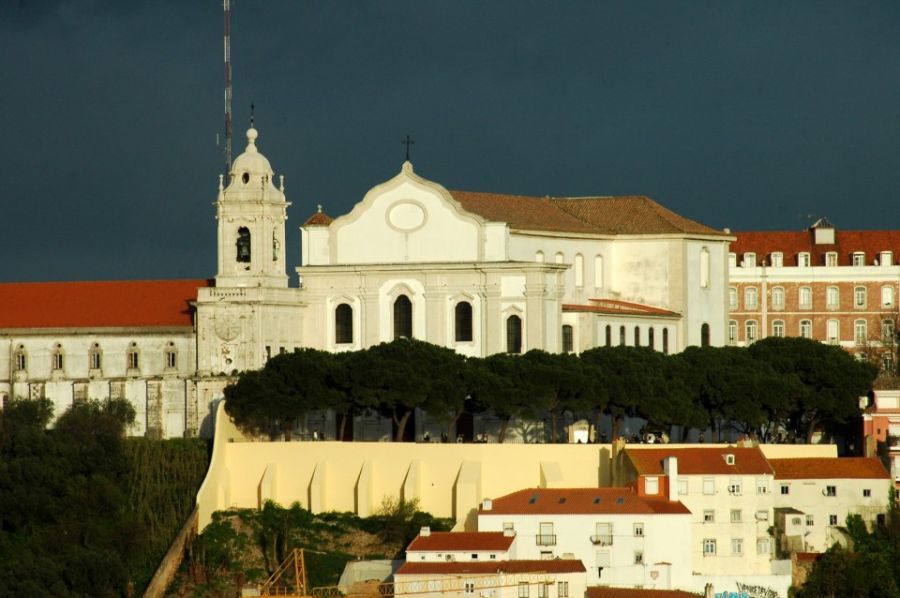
[[251, 212]]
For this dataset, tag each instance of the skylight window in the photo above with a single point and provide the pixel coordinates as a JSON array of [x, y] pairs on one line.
[[596, 500], [533, 499]]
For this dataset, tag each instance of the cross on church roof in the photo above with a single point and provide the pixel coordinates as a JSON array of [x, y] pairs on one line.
[[408, 142]]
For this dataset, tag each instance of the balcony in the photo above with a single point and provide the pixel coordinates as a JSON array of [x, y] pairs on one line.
[[602, 539], [546, 539]]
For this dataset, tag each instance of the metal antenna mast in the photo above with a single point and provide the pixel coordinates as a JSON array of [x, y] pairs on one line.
[[226, 5]]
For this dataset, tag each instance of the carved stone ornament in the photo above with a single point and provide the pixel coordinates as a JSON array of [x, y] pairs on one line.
[[227, 327]]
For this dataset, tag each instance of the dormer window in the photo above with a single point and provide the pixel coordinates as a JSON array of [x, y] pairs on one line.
[[831, 259], [777, 259], [243, 245], [749, 260], [886, 258], [732, 260], [729, 459], [859, 258], [803, 259]]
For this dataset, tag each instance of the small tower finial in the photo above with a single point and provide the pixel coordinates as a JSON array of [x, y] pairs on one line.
[[408, 142], [319, 208], [281, 182], [252, 110]]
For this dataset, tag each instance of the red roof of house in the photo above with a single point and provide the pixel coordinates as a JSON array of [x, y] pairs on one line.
[[319, 218], [490, 567], [624, 215], [615, 306], [444, 541], [824, 468], [701, 461], [111, 304], [579, 501], [790, 243], [606, 592]]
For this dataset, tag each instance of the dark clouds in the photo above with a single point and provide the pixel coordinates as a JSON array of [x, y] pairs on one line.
[[742, 114]]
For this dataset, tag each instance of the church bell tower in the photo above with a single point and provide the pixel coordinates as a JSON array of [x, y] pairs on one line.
[[251, 212]]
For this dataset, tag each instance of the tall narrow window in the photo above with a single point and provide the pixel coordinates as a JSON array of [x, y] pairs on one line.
[[751, 298], [133, 357], [666, 341], [559, 257], [637, 336], [57, 359], [749, 260], [539, 256], [833, 332], [343, 324], [579, 270], [21, 359], [732, 298], [859, 258], [704, 268], [860, 332], [777, 259], [650, 340], [751, 331], [805, 298], [831, 259], [622, 335], [778, 328], [402, 317], [95, 357], [778, 298], [513, 334], [887, 296], [463, 321], [243, 244], [598, 271], [732, 332], [568, 340], [887, 331], [171, 356], [805, 328], [608, 335], [832, 297], [704, 335], [859, 297]]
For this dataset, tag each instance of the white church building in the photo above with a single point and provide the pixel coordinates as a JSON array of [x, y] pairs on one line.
[[480, 273]]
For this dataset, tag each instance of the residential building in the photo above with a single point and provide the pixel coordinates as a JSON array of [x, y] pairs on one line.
[[814, 496], [460, 547], [623, 538], [881, 424], [835, 286]]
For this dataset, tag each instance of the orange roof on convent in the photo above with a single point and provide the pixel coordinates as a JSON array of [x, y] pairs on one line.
[[824, 468], [106, 304], [444, 541]]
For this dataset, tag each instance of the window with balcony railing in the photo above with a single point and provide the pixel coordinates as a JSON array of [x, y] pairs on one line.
[[602, 539], [546, 539]]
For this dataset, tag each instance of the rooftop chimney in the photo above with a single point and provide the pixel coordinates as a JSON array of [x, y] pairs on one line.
[[487, 504], [425, 531], [670, 467]]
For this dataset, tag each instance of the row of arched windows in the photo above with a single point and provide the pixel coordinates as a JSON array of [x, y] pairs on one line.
[[805, 297], [95, 357], [638, 338], [805, 330], [577, 266]]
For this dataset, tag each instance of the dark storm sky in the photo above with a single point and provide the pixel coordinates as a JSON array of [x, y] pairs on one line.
[[750, 115]]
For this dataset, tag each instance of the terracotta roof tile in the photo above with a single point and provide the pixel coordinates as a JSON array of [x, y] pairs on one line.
[[608, 501], [615, 306], [491, 567], [606, 592], [700, 461], [790, 243], [123, 303], [319, 218], [443, 541], [624, 215], [823, 468]]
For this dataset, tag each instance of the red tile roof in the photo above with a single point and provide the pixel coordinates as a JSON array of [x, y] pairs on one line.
[[824, 468], [701, 461], [491, 567], [577, 501], [615, 306], [790, 243], [444, 541], [606, 592], [625, 215], [124, 303], [318, 218]]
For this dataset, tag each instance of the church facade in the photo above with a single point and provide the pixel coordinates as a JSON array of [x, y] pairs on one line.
[[477, 272]]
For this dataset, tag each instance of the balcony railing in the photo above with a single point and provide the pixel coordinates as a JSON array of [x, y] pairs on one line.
[[602, 539], [546, 539]]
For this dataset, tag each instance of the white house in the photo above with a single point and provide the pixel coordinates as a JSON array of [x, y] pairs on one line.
[[622, 538], [817, 495], [440, 547]]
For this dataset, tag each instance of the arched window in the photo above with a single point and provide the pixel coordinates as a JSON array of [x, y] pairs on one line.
[[637, 336], [732, 298], [21, 359], [751, 331], [598, 271], [704, 335], [887, 331], [608, 335], [559, 257], [171, 356], [463, 321], [859, 297], [513, 334], [243, 244], [343, 324], [887, 296], [650, 340], [732, 332], [579, 270], [806, 328], [778, 328], [861, 332], [666, 341], [704, 268], [133, 357], [621, 335], [95, 357], [751, 298], [833, 329], [539, 256], [402, 317], [832, 297], [57, 359], [778, 298], [805, 298], [568, 340]]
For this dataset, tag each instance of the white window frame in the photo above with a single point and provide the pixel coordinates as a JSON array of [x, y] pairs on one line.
[[833, 332], [858, 258], [732, 332], [751, 325], [803, 259], [860, 332], [751, 298], [859, 297], [806, 329], [749, 260], [737, 546], [778, 328], [732, 298], [777, 259], [804, 298], [887, 296], [778, 298], [831, 258], [832, 297], [709, 547], [886, 258]]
